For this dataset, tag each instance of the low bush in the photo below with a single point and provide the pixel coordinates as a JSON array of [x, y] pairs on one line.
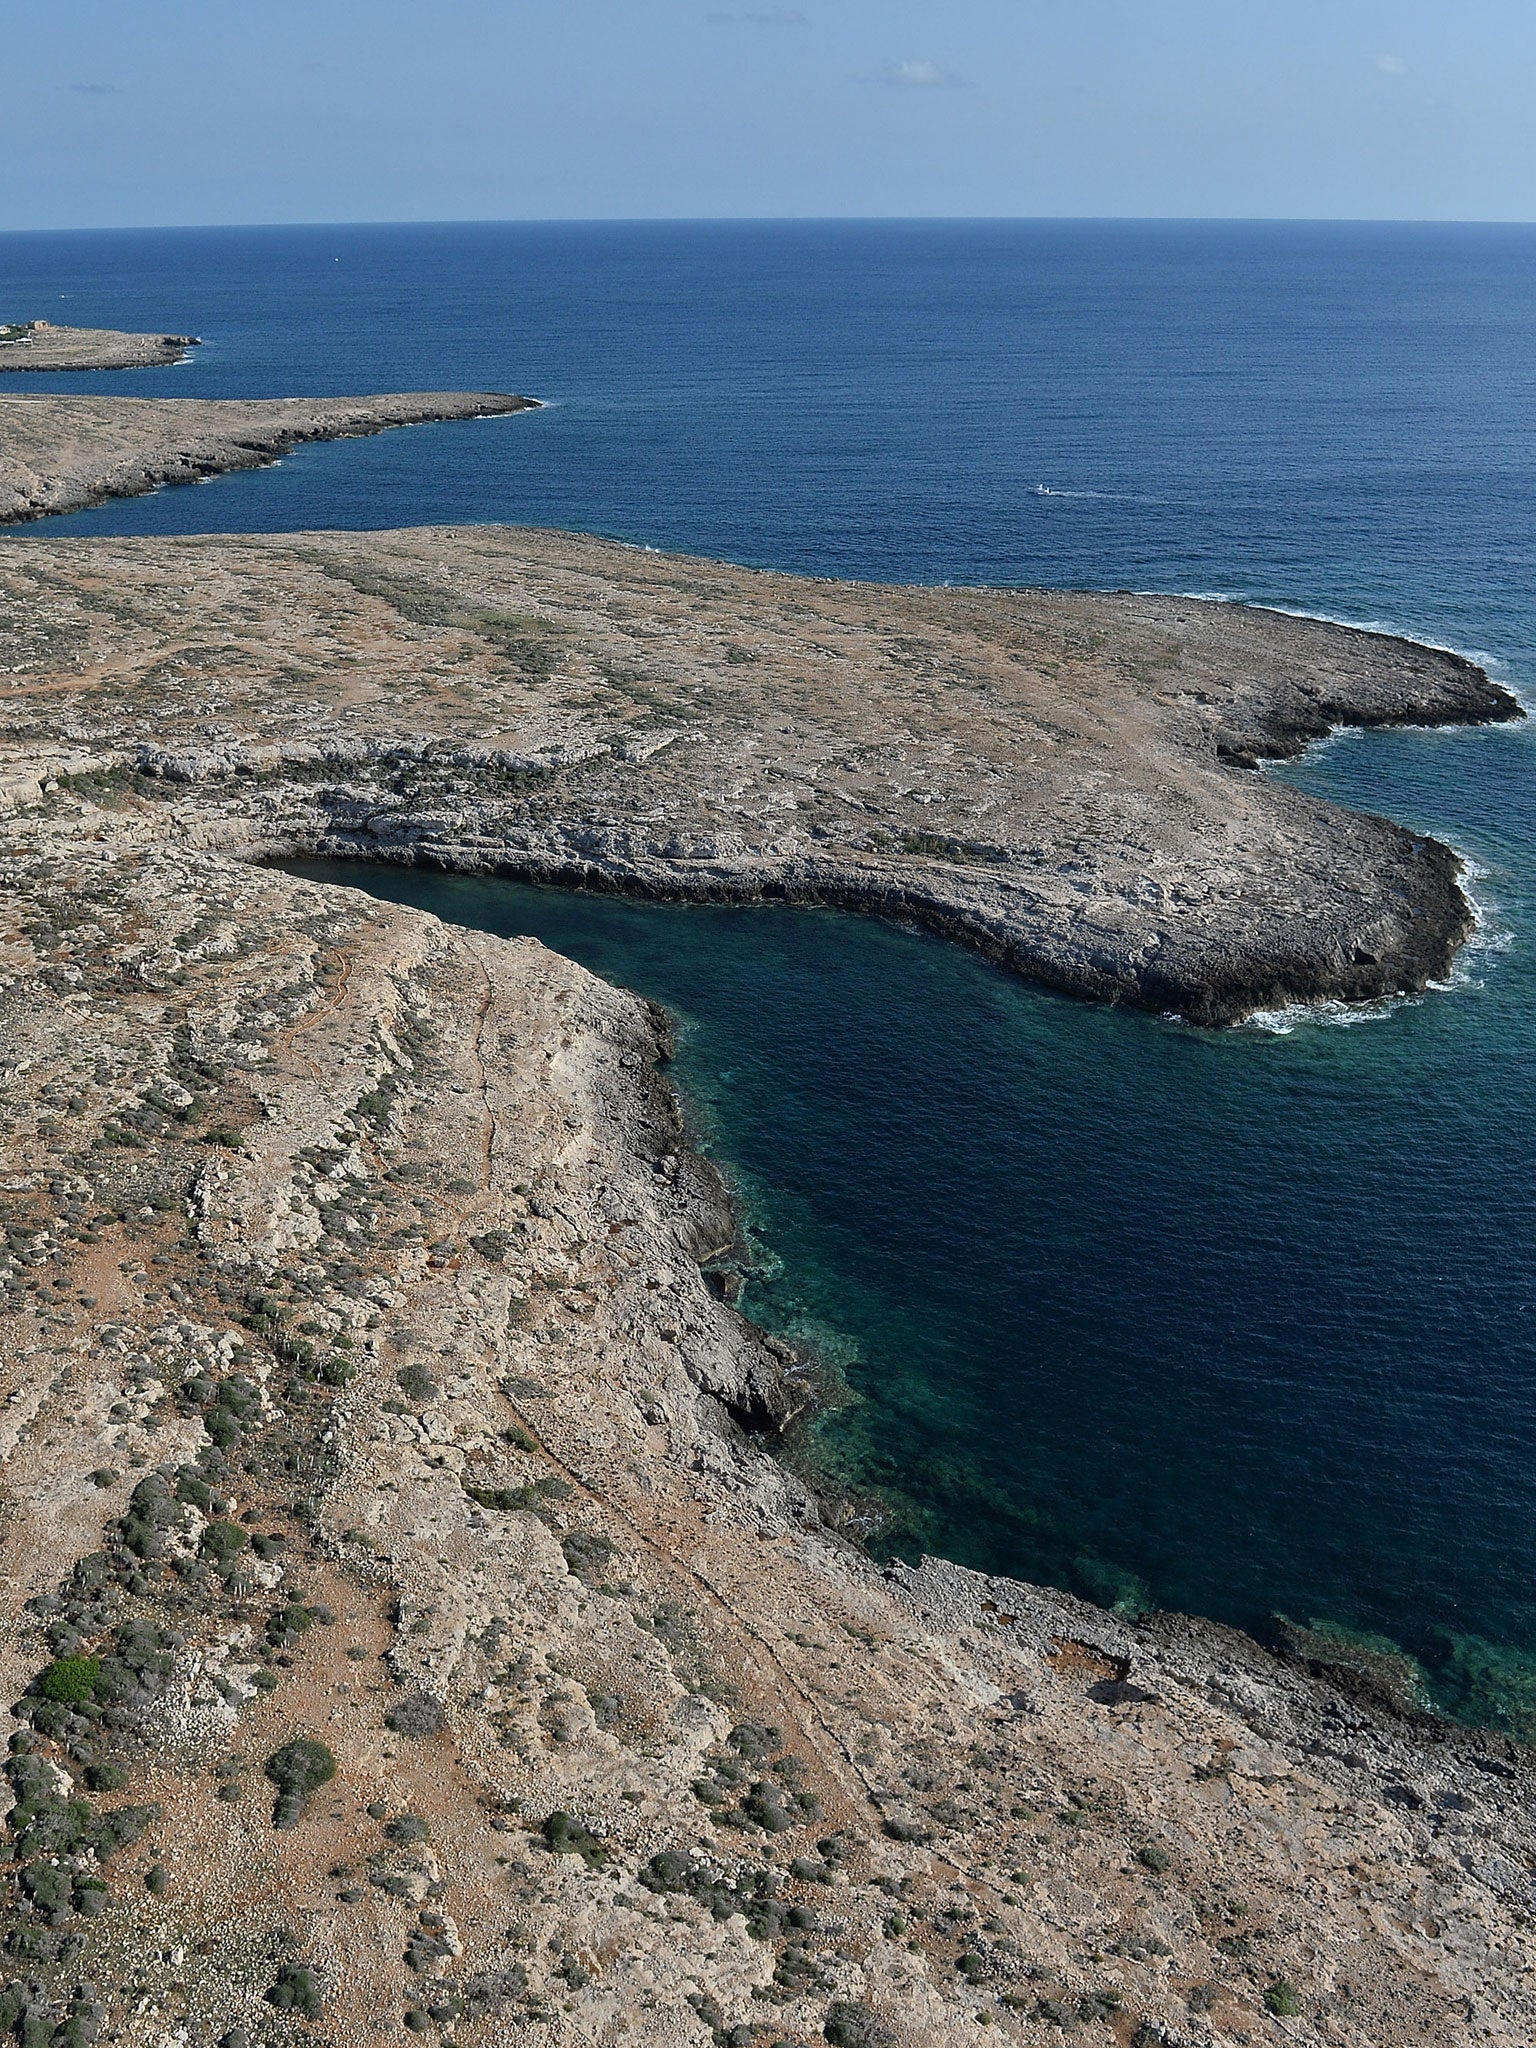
[[852, 2026], [418, 1714], [223, 1542], [297, 1769], [297, 1990], [564, 1836]]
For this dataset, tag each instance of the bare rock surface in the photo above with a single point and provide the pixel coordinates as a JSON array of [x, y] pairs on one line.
[[39, 345], [403, 1631], [61, 454]]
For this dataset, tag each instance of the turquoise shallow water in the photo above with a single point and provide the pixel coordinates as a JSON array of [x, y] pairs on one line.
[[1239, 1323]]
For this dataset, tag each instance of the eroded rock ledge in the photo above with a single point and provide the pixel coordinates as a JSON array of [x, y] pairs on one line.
[[62, 454], [363, 1388]]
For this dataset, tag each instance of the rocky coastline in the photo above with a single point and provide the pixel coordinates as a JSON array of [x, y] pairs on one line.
[[409, 1626]]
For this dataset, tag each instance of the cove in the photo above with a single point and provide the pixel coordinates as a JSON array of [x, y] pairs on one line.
[[1237, 1323]]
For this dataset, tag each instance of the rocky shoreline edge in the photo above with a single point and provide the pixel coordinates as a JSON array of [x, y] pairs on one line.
[[1065, 781]]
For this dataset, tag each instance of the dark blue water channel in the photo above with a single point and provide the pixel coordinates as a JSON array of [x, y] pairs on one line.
[[1235, 1322]]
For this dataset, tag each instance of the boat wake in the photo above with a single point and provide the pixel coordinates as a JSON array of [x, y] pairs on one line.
[[1108, 497]]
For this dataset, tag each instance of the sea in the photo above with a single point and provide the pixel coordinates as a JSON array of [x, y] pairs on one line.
[[1239, 1323]]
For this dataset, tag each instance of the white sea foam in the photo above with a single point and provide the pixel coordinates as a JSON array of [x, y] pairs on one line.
[[1331, 1012]]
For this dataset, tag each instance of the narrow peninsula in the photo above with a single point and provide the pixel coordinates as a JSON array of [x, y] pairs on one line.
[[409, 1624], [63, 454]]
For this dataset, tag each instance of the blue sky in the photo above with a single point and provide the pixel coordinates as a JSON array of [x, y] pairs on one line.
[[158, 112]]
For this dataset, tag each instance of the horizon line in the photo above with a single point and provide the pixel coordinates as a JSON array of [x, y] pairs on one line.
[[791, 220]]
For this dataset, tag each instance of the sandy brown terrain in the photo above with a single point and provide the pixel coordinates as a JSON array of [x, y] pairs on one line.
[[39, 345], [61, 454], [364, 1382]]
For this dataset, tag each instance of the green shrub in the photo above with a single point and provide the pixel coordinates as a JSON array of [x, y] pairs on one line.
[[519, 1499], [296, 1990], [48, 1886], [852, 2026], [1281, 2000], [223, 1542], [70, 1680], [585, 1552], [756, 1740], [417, 1714], [123, 1827], [564, 1836]]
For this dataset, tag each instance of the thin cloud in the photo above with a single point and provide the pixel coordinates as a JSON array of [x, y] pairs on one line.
[[760, 17], [1394, 67], [915, 73], [96, 91]]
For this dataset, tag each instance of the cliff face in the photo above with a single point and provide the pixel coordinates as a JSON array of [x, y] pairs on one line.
[[403, 1629]]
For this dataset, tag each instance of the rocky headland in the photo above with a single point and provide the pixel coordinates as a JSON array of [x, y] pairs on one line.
[[39, 345], [62, 454], [410, 1626], [1065, 780]]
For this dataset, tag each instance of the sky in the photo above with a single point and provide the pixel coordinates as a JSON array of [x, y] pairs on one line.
[[121, 113]]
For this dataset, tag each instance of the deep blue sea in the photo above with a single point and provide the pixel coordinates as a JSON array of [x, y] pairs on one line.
[[1235, 1322]]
